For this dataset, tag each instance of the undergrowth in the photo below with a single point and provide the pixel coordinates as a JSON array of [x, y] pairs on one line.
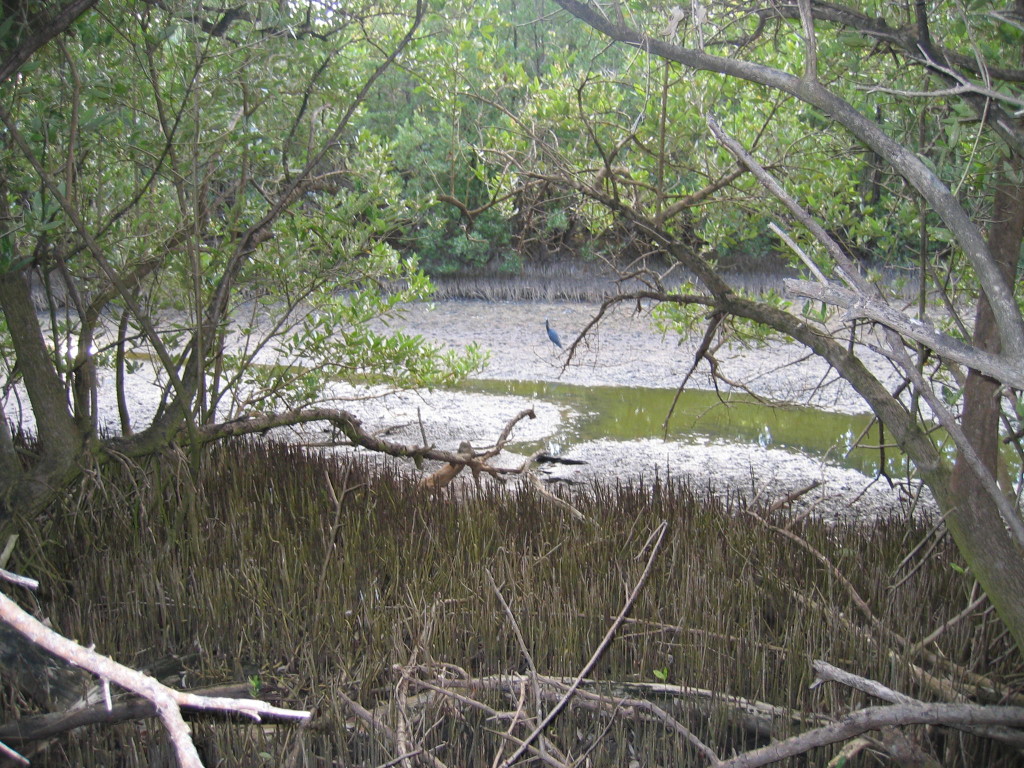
[[251, 572]]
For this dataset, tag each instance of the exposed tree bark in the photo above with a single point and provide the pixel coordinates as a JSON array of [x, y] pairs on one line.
[[39, 727], [60, 440], [995, 558]]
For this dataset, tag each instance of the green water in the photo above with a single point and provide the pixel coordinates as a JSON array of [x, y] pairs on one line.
[[631, 413]]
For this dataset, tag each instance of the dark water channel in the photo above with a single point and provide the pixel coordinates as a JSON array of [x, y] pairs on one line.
[[631, 413]]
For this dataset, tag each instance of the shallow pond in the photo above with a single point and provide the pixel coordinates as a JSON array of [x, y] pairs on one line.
[[631, 413]]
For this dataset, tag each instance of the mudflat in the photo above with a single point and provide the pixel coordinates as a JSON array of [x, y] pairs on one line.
[[626, 348], [629, 348]]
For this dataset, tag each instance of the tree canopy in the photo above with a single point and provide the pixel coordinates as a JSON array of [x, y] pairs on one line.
[[174, 182]]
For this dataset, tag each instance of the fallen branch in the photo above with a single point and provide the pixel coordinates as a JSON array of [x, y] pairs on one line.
[[552, 689], [39, 727], [167, 701], [875, 718], [17, 580], [838, 575], [378, 726], [444, 476], [561, 503], [791, 497], [825, 672], [760, 712], [632, 700], [355, 434]]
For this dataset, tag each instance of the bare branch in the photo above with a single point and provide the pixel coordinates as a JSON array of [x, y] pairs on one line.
[[376, 724], [825, 672], [551, 688], [167, 701], [17, 757], [351, 427], [848, 270], [561, 503], [873, 718], [967, 232], [857, 305], [1008, 513], [810, 41], [795, 247], [18, 580], [956, 90], [46, 726]]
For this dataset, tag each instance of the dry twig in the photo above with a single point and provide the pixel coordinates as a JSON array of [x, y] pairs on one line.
[[825, 672], [875, 718]]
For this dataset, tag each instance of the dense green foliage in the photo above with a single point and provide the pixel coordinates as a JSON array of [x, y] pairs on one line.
[[176, 149], [172, 143], [510, 106]]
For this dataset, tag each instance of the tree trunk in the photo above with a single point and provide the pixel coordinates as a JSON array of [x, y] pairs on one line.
[[995, 558], [60, 441]]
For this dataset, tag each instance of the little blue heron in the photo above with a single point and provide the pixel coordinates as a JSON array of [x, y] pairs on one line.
[[553, 335]]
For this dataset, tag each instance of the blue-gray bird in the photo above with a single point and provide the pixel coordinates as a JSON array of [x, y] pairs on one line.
[[553, 335]]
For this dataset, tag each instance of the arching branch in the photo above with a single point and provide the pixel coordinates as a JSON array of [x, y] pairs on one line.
[[41, 29], [944, 203], [349, 427]]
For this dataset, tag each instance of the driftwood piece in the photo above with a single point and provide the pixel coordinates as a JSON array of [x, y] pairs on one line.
[[477, 462], [825, 672], [443, 477], [39, 727], [876, 718]]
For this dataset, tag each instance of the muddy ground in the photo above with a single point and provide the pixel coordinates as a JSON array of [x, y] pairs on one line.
[[626, 349]]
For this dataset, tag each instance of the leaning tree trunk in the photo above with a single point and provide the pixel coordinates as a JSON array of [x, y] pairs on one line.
[[996, 559], [26, 486], [27, 489]]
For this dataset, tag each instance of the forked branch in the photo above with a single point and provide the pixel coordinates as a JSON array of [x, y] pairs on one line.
[[167, 701]]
